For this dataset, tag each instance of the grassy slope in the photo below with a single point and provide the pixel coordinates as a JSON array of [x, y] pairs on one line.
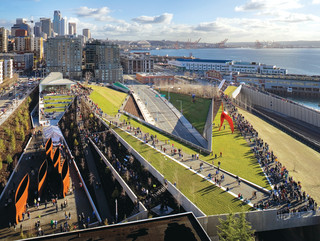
[[209, 198], [107, 99], [237, 156], [229, 90], [196, 112]]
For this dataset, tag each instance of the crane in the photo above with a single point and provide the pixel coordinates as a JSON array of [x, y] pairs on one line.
[[222, 44]]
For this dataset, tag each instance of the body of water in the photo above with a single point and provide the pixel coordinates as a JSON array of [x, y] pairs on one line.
[[296, 61]]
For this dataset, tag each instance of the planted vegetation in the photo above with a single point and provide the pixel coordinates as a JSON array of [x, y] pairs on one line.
[[14, 134]]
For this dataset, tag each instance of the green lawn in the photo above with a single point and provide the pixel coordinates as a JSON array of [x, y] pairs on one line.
[[196, 113], [108, 100], [236, 154], [57, 97], [229, 90], [209, 198], [54, 109], [46, 101], [56, 105]]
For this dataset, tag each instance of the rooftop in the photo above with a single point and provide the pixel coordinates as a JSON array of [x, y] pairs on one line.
[[205, 60]]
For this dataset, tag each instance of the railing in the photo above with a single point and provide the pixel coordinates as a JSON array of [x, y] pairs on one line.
[[303, 214]]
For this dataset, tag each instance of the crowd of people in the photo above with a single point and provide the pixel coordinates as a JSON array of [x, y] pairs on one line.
[[287, 193]]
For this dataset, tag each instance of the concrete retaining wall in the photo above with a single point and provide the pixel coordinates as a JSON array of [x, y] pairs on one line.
[[180, 197], [207, 132], [188, 143], [143, 212], [251, 97], [264, 221]]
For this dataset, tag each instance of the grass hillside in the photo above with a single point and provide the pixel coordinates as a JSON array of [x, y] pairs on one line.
[[209, 198], [196, 113], [108, 100]]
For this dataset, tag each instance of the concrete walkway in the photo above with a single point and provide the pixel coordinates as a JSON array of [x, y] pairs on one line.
[[102, 202]]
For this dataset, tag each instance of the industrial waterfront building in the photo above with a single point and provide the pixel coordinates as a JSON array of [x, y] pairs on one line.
[[102, 60], [64, 54], [283, 84], [192, 64]]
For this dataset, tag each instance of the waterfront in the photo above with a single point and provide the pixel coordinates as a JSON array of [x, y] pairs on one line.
[[296, 61]]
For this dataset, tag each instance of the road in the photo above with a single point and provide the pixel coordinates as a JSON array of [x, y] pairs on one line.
[[164, 116], [8, 101]]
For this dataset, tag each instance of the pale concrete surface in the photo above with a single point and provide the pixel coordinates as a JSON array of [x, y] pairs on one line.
[[302, 161]]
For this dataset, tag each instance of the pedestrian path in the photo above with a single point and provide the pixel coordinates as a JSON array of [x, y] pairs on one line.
[[213, 173]]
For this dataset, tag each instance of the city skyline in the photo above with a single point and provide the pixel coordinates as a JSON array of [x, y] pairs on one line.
[[213, 21]]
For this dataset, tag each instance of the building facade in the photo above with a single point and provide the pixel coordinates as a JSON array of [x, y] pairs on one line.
[[72, 28], [226, 66], [64, 54], [102, 59], [6, 69], [56, 22], [158, 79], [86, 32], [3, 40], [46, 26], [136, 63]]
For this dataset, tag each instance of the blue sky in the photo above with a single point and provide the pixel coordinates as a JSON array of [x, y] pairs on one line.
[[211, 20]]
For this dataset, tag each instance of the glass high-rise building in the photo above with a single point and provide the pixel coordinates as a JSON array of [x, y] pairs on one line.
[[56, 22]]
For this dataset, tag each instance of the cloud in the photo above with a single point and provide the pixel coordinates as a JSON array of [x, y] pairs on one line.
[[99, 14], [163, 18], [261, 5], [316, 2]]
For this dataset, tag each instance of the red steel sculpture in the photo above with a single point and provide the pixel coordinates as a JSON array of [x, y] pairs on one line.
[[42, 176], [65, 175], [57, 159], [21, 197], [48, 147], [224, 116]]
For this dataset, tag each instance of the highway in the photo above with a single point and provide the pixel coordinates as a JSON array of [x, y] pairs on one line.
[[164, 116]]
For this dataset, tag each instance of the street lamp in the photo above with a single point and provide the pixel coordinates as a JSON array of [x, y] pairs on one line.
[[180, 105], [169, 92]]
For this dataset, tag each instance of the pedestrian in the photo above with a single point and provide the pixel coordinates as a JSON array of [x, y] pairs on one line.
[[220, 154], [61, 206]]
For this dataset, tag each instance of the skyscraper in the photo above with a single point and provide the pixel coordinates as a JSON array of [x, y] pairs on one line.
[[37, 29], [3, 40], [63, 26], [86, 32], [46, 26], [64, 54], [72, 29], [56, 21]]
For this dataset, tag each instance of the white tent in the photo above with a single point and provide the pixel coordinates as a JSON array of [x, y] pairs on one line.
[[54, 133]]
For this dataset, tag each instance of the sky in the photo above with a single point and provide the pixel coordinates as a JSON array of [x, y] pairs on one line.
[[178, 20]]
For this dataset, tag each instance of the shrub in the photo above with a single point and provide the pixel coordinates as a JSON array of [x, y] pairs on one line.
[[9, 159]]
